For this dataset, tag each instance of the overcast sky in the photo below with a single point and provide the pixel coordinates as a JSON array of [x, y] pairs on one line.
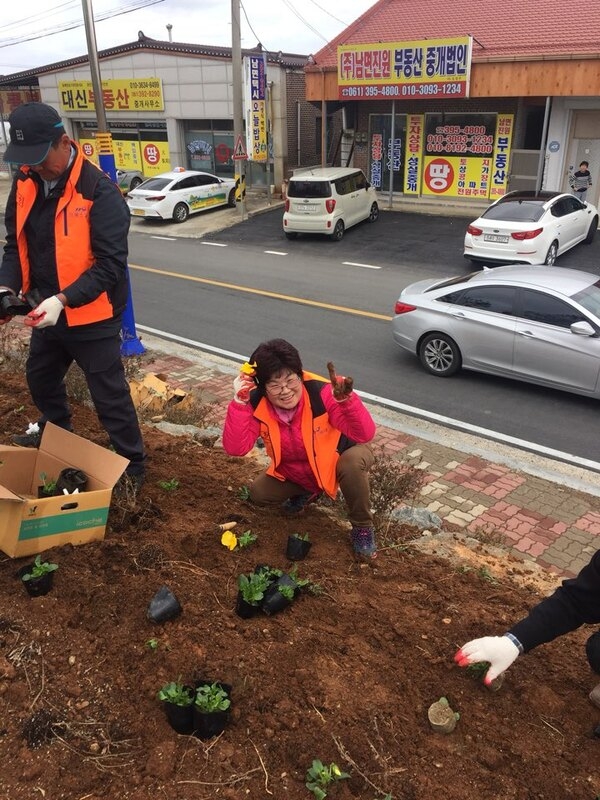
[[293, 26]]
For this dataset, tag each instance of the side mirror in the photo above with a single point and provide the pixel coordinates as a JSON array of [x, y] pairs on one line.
[[583, 329]]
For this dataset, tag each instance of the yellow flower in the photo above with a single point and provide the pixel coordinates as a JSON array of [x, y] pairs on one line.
[[229, 539], [248, 369]]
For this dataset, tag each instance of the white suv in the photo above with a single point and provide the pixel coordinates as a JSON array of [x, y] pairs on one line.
[[328, 200]]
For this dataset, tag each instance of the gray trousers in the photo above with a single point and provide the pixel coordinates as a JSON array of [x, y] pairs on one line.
[[352, 472]]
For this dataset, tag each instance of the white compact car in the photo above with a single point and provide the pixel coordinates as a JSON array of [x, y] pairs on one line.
[[175, 195], [530, 228], [328, 200]]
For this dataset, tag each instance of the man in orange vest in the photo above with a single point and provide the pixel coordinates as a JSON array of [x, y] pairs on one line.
[[66, 253]]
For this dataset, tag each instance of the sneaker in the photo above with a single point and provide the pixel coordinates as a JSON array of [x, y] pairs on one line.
[[296, 504], [363, 542], [31, 438]]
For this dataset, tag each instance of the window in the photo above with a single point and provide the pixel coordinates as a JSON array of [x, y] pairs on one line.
[[589, 298], [360, 180], [497, 299], [541, 307], [309, 189], [205, 180], [515, 211]]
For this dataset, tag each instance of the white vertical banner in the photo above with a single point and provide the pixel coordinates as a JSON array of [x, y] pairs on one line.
[[255, 96]]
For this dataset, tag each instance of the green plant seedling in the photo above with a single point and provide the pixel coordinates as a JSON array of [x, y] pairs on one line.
[[48, 484], [246, 538], [169, 486], [304, 537], [176, 693], [152, 644], [286, 591], [244, 492], [211, 697], [319, 777], [39, 569], [478, 669], [253, 586]]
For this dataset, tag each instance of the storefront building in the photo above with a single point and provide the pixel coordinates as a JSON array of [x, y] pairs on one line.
[[171, 105], [448, 104]]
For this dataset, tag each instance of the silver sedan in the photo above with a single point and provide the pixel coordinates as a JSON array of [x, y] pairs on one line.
[[532, 323]]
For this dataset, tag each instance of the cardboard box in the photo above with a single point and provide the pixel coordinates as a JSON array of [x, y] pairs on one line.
[[29, 525]]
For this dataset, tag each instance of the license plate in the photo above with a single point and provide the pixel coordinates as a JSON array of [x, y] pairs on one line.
[[138, 212], [492, 237], [308, 209]]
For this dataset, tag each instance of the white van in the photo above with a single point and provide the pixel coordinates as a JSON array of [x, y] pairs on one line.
[[328, 200]]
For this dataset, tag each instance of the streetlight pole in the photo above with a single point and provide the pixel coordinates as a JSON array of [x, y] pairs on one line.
[[130, 344], [238, 107]]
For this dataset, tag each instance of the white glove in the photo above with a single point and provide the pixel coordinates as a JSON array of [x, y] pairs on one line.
[[500, 651], [46, 314], [242, 385]]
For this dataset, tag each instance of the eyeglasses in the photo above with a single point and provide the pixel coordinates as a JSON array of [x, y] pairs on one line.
[[278, 388]]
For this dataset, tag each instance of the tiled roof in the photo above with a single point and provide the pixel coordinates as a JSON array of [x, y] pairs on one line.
[[512, 29]]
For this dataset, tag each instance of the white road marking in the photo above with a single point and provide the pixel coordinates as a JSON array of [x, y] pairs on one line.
[[275, 253], [165, 238], [356, 264], [214, 244]]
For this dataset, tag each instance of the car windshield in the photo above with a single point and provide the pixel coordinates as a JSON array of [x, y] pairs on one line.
[[155, 184], [589, 298], [309, 189], [515, 211]]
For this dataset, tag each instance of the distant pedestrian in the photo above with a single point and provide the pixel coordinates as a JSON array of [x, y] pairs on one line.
[[581, 181], [575, 603], [66, 251]]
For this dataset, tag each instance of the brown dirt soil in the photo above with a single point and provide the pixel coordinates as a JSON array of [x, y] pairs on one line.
[[345, 676]]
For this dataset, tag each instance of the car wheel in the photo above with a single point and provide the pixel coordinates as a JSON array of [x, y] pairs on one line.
[[592, 231], [374, 213], [551, 255], [231, 201], [290, 235], [439, 354], [135, 182], [180, 212], [338, 231]]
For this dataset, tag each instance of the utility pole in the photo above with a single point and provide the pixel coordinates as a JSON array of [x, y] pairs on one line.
[[238, 106], [130, 345]]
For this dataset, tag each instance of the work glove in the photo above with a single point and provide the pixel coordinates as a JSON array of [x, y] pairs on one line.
[[242, 385], [340, 386], [500, 651], [46, 314]]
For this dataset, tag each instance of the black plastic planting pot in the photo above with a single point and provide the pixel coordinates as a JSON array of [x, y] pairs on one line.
[[163, 606], [180, 718], [297, 549], [274, 601], [36, 587], [212, 724], [243, 609]]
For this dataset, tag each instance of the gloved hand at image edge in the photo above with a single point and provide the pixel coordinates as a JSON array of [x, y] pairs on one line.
[[242, 385], [46, 314], [499, 651]]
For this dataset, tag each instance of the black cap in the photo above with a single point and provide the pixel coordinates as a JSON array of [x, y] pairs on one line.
[[33, 128]]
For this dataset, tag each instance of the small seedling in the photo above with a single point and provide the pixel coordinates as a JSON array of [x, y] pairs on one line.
[[319, 777], [304, 537], [48, 484], [39, 569], [246, 538], [177, 694], [211, 697], [152, 644], [244, 492], [486, 575], [253, 586], [478, 669], [169, 486], [286, 591]]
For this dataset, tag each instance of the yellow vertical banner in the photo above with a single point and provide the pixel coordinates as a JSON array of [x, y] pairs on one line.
[[499, 178], [413, 163]]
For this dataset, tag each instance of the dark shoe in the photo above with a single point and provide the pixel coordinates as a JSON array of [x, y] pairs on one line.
[[129, 484], [363, 542], [31, 438], [296, 504]]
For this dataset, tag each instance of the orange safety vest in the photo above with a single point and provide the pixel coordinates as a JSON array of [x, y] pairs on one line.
[[323, 443], [72, 235]]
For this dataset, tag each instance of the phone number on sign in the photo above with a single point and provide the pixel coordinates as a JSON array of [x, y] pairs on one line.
[[404, 90]]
